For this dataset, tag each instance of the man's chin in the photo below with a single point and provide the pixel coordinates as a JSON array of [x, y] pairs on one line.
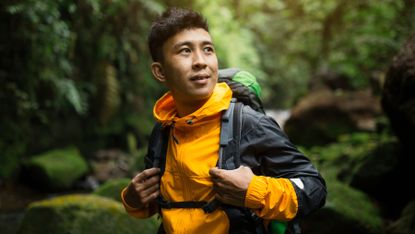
[[202, 96]]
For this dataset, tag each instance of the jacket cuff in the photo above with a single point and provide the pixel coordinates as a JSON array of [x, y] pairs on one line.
[[141, 213], [127, 207], [256, 192]]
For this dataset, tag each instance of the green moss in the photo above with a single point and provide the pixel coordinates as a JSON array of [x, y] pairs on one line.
[[353, 205], [81, 200], [82, 214], [56, 168], [112, 188], [348, 152]]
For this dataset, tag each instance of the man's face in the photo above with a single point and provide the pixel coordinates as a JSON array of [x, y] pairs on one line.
[[190, 65]]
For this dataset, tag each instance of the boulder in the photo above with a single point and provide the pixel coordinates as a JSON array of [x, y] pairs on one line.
[[398, 95], [54, 170], [406, 223], [382, 168], [322, 116], [346, 211], [82, 214], [329, 79], [112, 188]]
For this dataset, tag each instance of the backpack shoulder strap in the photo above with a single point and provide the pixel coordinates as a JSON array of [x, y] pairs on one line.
[[230, 136], [157, 149]]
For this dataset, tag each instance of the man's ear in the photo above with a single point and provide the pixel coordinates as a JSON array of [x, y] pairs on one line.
[[158, 73]]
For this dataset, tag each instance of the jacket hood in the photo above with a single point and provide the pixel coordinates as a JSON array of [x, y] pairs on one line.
[[165, 108]]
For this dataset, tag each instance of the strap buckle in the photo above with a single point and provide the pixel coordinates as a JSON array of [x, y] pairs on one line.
[[211, 206]]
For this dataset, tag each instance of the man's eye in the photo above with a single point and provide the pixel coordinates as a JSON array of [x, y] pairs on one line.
[[209, 49], [185, 51]]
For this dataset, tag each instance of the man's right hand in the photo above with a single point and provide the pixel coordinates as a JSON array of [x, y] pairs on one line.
[[143, 188]]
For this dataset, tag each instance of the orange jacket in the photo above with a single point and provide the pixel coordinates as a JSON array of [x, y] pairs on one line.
[[192, 151]]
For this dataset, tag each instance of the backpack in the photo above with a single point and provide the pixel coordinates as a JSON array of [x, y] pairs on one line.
[[246, 91], [244, 86]]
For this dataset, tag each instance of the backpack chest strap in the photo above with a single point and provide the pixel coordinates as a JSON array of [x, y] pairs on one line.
[[208, 207]]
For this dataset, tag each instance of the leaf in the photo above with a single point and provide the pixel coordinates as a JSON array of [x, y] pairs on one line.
[[68, 90]]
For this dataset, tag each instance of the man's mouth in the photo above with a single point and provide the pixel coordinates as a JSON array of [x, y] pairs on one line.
[[199, 77]]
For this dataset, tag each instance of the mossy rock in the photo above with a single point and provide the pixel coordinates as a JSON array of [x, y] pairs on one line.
[[112, 188], [55, 169], [347, 210], [82, 214], [406, 223]]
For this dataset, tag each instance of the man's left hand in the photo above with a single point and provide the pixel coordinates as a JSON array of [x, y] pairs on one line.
[[231, 185]]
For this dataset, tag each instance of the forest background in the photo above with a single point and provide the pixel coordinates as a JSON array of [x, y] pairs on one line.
[[77, 72]]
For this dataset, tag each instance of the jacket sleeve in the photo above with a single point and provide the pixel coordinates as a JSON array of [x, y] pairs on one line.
[[272, 198], [287, 185], [142, 213]]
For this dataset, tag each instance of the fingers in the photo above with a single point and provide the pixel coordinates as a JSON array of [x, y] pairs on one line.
[[217, 174], [231, 185], [146, 185], [149, 185], [148, 182], [220, 173], [146, 179], [144, 175], [150, 194]]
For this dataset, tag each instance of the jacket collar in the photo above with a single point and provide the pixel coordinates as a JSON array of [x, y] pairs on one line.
[[165, 109]]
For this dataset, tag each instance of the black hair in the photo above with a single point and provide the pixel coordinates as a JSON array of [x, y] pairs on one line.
[[171, 22]]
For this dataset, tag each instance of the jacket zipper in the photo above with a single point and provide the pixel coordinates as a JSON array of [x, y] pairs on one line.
[[172, 133]]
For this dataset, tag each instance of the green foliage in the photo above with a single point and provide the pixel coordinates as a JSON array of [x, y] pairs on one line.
[[66, 89], [234, 43], [297, 39], [346, 154], [86, 62], [114, 45], [46, 41], [74, 62], [354, 146]]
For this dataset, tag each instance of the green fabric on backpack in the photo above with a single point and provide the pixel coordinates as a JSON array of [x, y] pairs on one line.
[[248, 80], [245, 87], [278, 227]]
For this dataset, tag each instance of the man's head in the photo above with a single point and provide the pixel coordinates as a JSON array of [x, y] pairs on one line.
[[170, 23], [184, 56]]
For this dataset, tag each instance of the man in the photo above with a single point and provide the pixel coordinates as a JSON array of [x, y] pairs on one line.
[[185, 61]]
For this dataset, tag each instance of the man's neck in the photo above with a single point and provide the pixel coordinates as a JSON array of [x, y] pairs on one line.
[[186, 108]]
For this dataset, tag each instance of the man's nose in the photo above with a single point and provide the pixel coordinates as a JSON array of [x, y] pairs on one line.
[[199, 60]]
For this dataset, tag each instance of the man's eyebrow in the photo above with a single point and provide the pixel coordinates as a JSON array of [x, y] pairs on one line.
[[190, 43]]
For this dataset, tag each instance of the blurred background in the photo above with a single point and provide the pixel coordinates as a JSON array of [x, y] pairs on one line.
[[76, 97]]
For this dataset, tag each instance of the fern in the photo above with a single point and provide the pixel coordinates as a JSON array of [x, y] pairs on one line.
[[67, 89]]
